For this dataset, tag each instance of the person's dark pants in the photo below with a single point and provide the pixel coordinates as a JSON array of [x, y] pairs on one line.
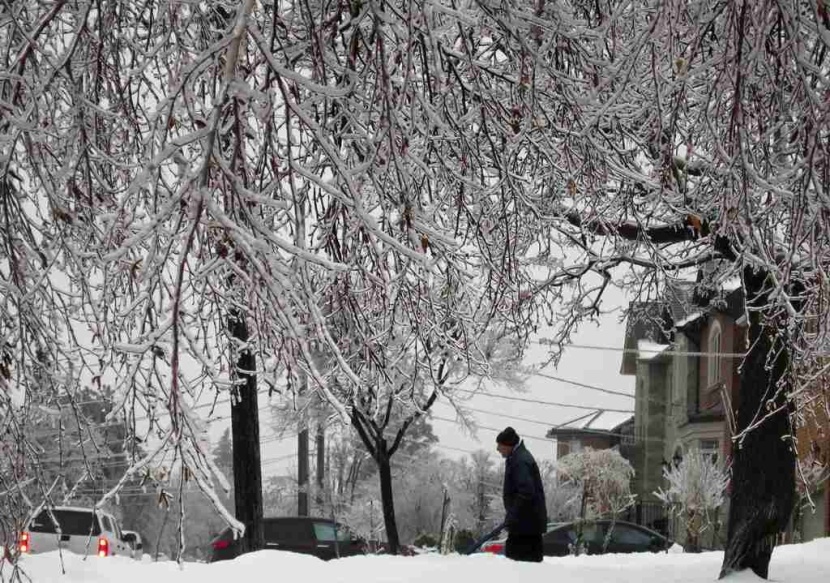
[[524, 547]]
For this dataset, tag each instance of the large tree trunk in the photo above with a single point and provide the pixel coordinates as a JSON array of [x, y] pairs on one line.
[[763, 465], [387, 499], [247, 468]]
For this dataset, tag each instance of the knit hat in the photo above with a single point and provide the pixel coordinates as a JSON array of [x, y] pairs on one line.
[[508, 437]]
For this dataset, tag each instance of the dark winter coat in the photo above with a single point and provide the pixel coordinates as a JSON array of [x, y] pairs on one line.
[[524, 496]]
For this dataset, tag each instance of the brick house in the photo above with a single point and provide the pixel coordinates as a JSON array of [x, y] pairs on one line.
[[601, 430], [813, 446], [687, 385]]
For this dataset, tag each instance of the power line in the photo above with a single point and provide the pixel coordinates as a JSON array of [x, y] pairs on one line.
[[650, 351], [542, 402], [506, 416], [584, 386], [497, 430], [601, 432]]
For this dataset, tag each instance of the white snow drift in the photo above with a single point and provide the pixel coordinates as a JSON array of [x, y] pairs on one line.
[[805, 563]]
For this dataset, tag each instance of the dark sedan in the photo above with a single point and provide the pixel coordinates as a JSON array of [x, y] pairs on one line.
[[626, 537], [320, 537]]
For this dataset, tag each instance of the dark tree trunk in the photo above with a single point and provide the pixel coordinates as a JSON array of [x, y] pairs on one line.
[[247, 468], [321, 466], [763, 466], [372, 437], [387, 499], [302, 472]]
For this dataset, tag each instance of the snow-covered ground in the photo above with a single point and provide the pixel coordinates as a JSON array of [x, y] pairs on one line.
[[806, 563]]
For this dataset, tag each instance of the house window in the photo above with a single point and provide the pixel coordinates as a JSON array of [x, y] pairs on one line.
[[710, 448], [575, 446], [714, 359]]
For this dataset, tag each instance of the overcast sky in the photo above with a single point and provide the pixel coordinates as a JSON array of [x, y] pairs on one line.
[[598, 368]]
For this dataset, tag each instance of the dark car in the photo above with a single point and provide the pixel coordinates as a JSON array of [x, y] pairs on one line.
[[320, 537], [626, 537]]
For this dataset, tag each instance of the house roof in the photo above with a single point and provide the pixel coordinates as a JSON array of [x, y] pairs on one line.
[[649, 321], [727, 301], [647, 350], [599, 423], [651, 325]]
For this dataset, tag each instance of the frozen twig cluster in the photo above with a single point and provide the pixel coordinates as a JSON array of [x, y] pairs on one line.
[[696, 489]]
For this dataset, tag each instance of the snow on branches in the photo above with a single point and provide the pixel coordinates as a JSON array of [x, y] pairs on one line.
[[391, 195], [696, 488], [604, 477]]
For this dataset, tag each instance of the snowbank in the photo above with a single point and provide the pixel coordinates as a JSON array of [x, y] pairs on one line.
[[806, 563]]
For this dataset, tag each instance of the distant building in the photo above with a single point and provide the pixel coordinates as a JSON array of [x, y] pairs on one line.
[[601, 430]]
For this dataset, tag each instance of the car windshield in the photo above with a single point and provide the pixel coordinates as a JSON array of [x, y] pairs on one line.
[[325, 532], [71, 522]]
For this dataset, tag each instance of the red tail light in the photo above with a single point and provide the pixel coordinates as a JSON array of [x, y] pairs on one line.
[[220, 544], [103, 547], [496, 548], [23, 543]]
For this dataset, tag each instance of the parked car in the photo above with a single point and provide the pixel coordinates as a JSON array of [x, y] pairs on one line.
[[626, 537], [495, 541], [85, 531], [133, 540], [320, 537]]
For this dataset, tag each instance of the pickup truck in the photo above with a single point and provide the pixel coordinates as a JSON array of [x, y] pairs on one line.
[[84, 531]]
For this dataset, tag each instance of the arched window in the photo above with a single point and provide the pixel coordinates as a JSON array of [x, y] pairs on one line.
[[714, 349]]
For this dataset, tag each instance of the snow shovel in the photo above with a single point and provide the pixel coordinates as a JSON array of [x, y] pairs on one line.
[[477, 545]]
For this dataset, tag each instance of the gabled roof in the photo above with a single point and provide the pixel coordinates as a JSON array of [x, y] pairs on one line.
[[684, 306], [650, 321], [727, 301], [647, 350], [599, 423]]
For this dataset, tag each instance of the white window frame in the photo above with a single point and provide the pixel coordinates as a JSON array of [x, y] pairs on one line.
[[713, 346]]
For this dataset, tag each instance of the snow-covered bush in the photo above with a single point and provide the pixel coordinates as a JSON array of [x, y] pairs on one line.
[[812, 472], [696, 490], [563, 501], [603, 478]]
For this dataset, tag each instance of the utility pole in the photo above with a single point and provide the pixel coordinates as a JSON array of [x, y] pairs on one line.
[[302, 470], [247, 466], [321, 465], [445, 506]]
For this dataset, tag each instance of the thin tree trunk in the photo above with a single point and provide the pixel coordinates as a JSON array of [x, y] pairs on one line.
[[481, 502], [353, 475], [378, 448], [692, 532], [387, 499], [247, 467], [583, 508], [341, 486], [763, 467]]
